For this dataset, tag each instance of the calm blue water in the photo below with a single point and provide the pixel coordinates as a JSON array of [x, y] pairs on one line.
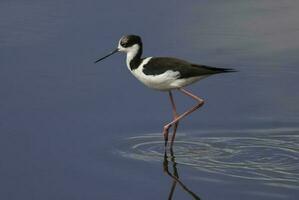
[[70, 129]]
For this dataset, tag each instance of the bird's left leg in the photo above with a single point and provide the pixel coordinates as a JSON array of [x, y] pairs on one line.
[[175, 115]]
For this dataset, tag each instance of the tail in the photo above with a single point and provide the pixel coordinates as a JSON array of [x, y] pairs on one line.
[[222, 70]]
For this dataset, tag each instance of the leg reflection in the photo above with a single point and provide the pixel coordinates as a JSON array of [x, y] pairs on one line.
[[175, 175]]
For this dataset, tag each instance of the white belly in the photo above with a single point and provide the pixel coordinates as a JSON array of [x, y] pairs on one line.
[[166, 81]]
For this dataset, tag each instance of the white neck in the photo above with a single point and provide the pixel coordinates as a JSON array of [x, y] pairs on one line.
[[131, 54]]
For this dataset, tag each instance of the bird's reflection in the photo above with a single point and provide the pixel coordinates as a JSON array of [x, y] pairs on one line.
[[169, 160]]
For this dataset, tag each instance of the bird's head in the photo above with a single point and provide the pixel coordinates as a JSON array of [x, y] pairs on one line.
[[128, 44]]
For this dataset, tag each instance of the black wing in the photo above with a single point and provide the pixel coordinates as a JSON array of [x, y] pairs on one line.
[[160, 65]]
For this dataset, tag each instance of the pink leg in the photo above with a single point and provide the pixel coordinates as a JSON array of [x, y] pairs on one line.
[[200, 102], [175, 115]]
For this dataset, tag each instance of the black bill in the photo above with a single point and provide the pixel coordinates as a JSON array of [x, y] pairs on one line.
[[113, 52]]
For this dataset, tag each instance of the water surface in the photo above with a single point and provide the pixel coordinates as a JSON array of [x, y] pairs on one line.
[[71, 129]]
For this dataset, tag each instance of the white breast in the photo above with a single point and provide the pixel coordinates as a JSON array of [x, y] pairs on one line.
[[159, 82]]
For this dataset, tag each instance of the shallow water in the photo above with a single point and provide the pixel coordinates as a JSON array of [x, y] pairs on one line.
[[71, 129], [267, 158]]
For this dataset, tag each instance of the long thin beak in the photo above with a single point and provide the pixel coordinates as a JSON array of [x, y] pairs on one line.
[[113, 52]]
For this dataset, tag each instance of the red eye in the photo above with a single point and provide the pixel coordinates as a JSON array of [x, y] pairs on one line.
[[124, 44]]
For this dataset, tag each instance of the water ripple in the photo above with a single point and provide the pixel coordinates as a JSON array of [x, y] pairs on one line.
[[272, 159]]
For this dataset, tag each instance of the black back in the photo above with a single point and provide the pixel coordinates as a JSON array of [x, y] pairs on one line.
[[160, 65]]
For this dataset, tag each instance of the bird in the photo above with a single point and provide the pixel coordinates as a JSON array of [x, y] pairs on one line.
[[164, 74]]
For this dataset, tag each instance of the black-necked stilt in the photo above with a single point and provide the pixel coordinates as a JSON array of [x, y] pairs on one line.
[[165, 74]]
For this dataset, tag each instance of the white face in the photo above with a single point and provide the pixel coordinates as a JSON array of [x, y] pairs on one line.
[[131, 49], [131, 52]]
